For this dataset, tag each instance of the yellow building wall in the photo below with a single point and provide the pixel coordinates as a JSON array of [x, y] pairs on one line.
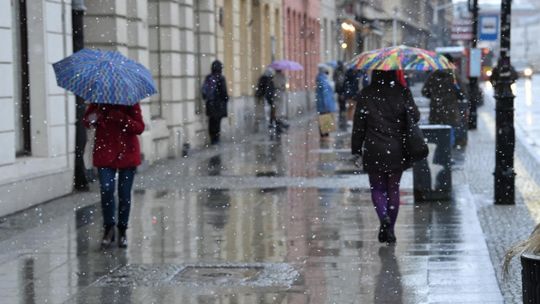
[[244, 40]]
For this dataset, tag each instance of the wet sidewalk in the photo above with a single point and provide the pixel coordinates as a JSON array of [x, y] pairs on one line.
[[269, 219]]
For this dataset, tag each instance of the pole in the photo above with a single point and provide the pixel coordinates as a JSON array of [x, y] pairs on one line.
[[503, 77], [80, 181], [394, 27], [474, 92], [359, 32]]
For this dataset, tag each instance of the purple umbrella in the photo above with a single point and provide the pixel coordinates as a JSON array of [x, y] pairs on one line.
[[286, 65]]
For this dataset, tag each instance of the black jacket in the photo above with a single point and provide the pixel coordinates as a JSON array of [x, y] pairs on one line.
[[218, 108], [265, 88], [444, 95], [379, 125]]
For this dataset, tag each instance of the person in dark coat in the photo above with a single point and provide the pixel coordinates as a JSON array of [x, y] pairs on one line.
[[266, 89], [215, 94], [339, 81], [444, 94], [116, 150], [378, 133]]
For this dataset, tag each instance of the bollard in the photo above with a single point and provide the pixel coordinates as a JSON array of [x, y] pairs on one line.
[[530, 278]]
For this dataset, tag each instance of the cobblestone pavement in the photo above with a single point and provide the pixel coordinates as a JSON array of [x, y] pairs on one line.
[[265, 220], [502, 225]]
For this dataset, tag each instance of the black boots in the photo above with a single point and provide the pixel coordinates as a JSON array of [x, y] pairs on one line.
[[108, 237], [386, 232], [122, 238]]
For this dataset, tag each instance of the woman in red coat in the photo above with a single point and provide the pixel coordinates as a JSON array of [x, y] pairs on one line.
[[116, 149]]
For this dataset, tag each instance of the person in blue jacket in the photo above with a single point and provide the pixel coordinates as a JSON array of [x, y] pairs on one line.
[[324, 93]]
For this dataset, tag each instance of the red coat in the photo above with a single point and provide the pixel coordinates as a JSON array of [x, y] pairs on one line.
[[116, 145]]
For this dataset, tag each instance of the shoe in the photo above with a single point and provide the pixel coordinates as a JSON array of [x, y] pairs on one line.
[[108, 237], [383, 230], [122, 238], [391, 237]]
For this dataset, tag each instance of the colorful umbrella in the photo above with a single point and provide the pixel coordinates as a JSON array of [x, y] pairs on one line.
[[104, 77], [400, 58], [286, 65]]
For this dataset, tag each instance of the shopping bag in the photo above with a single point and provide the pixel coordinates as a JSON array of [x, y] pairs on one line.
[[327, 123]]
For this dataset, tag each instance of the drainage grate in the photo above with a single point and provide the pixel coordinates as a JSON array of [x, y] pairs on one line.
[[228, 275], [213, 275]]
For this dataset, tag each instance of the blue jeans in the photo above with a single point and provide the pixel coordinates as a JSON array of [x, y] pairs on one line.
[[107, 181]]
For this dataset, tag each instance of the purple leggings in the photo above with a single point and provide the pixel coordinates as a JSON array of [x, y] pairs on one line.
[[385, 194]]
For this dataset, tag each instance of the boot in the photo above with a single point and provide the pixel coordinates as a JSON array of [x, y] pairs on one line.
[[122, 238], [108, 237], [384, 229], [391, 237]]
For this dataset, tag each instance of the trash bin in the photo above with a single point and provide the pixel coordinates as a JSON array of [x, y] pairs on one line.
[[530, 277], [432, 177]]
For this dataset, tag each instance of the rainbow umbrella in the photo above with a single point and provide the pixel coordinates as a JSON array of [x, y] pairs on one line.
[[400, 58]]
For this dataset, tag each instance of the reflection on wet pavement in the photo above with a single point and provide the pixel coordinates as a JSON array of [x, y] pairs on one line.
[[321, 235], [327, 235]]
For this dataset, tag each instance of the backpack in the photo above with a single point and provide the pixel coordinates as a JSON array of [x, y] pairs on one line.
[[209, 90]]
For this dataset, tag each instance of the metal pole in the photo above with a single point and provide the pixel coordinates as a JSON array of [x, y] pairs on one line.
[[394, 27], [474, 92], [503, 77], [80, 181]]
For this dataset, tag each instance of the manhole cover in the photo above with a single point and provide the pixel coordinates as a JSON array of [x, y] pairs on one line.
[[210, 274], [226, 275]]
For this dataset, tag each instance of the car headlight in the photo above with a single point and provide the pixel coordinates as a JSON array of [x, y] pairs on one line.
[[528, 72]]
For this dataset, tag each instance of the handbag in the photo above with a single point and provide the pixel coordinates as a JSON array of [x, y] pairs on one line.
[[415, 144], [327, 123]]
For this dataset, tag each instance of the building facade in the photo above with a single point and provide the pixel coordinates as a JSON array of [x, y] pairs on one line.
[[177, 40], [302, 44], [375, 24], [329, 29], [37, 118]]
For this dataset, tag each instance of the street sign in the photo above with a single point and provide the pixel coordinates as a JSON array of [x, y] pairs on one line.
[[461, 36], [489, 27], [462, 29]]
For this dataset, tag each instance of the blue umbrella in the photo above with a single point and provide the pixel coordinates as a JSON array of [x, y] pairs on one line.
[[104, 77]]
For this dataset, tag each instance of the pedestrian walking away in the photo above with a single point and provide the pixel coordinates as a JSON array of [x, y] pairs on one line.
[[352, 87], [378, 137], [266, 90], [116, 150], [214, 92], [280, 85], [324, 96], [444, 95], [339, 81]]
